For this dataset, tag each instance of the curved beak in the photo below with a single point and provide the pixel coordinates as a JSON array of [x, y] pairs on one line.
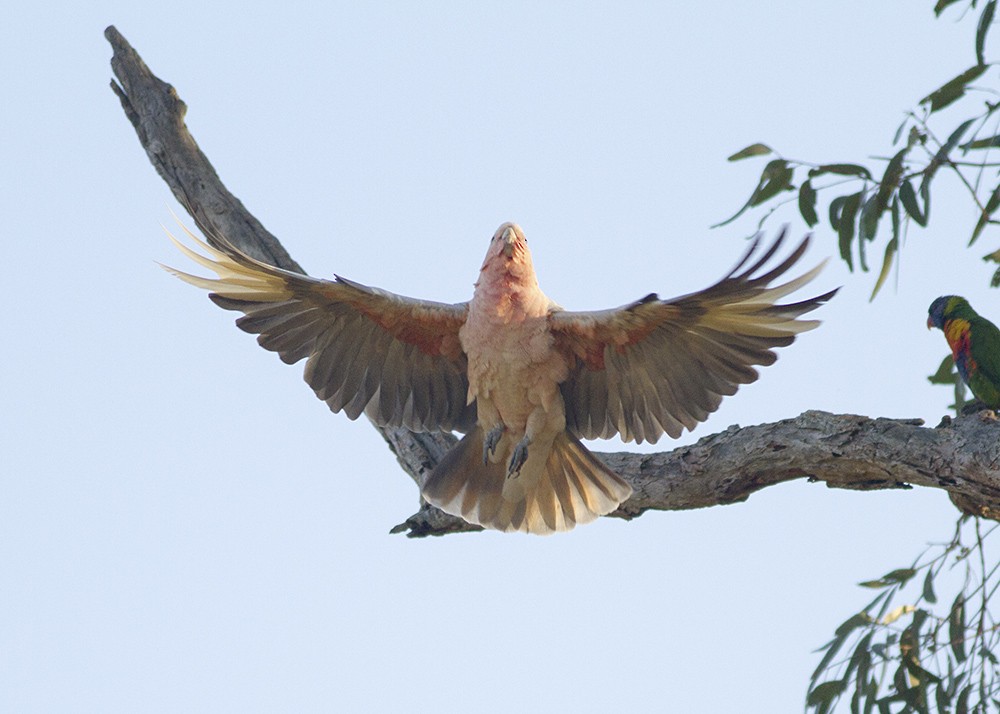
[[930, 322], [509, 238]]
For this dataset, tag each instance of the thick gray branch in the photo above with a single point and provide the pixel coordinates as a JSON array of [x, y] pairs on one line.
[[844, 451], [157, 114], [961, 457]]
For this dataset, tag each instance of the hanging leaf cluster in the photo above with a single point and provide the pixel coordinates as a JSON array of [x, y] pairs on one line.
[[913, 649], [869, 207], [947, 375]]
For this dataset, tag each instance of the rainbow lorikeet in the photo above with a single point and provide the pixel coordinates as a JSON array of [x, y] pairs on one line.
[[975, 345]]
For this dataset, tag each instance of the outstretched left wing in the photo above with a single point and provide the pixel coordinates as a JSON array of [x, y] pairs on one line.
[[661, 366]]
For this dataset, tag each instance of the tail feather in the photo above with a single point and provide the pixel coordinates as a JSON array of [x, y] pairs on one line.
[[558, 487]]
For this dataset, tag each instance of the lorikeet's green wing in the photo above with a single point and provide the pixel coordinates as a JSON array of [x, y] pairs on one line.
[[984, 349]]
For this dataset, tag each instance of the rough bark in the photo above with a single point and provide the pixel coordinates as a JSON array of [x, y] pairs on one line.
[[844, 451]]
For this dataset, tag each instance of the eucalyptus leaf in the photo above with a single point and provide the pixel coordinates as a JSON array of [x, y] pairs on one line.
[[890, 253], [940, 6], [871, 696], [825, 692], [956, 627], [852, 623], [928, 591], [897, 577], [831, 648], [945, 373], [861, 660], [953, 89], [891, 248], [900, 680], [991, 206], [878, 599], [909, 199], [864, 202], [952, 141], [842, 170], [871, 213], [962, 705], [925, 196], [985, 21], [941, 157], [892, 176], [748, 152], [988, 143], [922, 675], [899, 131], [836, 207], [845, 227], [775, 178], [941, 698], [807, 203]]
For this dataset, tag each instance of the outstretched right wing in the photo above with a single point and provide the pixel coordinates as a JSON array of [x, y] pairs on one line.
[[394, 358]]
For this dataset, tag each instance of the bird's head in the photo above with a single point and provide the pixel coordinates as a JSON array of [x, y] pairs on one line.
[[945, 308], [508, 253]]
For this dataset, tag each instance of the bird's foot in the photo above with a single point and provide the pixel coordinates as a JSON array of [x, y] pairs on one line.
[[973, 407], [518, 458], [981, 409], [490, 442]]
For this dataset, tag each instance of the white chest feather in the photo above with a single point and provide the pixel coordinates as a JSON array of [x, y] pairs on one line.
[[513, 364]]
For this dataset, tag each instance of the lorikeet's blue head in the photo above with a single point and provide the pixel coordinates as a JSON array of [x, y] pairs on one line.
[[944, 308]]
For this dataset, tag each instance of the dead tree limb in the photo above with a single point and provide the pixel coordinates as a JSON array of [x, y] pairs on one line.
[[844, 451]]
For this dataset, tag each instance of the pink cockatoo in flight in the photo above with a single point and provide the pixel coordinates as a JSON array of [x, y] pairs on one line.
[[522, 378]]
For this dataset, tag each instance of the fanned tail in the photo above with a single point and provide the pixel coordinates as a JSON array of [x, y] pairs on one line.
[[556, 489]]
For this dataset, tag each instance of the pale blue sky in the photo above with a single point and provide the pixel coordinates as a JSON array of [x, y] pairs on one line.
[[184, 527]]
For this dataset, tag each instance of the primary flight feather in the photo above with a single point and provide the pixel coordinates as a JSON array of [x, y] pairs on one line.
[[524, 379]]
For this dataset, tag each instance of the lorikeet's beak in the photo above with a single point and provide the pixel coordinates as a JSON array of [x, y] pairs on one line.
[[930, 322]]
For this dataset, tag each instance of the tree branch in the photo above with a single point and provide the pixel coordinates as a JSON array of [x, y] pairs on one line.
[[845, 451], [157, 114]]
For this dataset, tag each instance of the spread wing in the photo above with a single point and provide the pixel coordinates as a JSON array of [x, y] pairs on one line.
[[984, 346], [396, 359], [661, 366]]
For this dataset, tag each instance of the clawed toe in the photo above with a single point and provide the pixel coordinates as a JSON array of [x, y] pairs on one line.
[[518, 458], [490, 442]]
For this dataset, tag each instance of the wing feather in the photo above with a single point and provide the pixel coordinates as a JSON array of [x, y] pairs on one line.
[[657, 367], [396, 359]]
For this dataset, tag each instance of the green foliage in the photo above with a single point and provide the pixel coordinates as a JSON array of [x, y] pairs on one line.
[[948, 376], [899, 185], [927, 643], [920, 656]]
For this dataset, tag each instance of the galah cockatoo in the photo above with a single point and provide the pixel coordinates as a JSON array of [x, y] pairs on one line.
[[522, 378]]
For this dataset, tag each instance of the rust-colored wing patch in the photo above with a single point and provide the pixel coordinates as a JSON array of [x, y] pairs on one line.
[[661, 366], [394, 358]]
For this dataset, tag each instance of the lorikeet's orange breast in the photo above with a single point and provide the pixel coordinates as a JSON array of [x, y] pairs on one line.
[[957, 333]]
